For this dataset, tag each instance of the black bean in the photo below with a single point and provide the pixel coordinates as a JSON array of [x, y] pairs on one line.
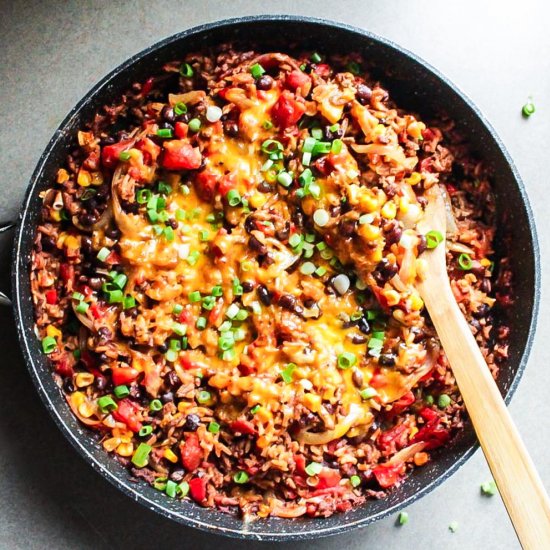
[[287, 301], [163, 348], [248, 286], [393, 234], [387, 360], [86, 246], [104, 333], [68, 385], [283, 234], [87, 219], [347, 228], [168, 114], [132, 312], [95, 282], [485, 285], [100, 382], [172, 223], [357, 377], [109, 140], [102, 191], [264, 187], [264, 295], [421, 247], [358, 339], [335, 211], [185, 117], [265, 82], [173, 379], [48, 243], [384, 271], [482, 311], [231, 128], [256, 245], [309, 303], [364, 326], [167, 397], [249, 224], [330, 135], [192, 422], [135, 391], [363, 94]]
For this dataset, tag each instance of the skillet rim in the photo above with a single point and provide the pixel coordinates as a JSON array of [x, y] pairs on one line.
[[22, 301]]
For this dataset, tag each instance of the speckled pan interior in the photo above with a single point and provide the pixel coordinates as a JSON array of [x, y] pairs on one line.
[[415, 85]]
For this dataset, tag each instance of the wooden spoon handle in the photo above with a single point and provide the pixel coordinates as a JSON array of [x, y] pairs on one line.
[[513, 470]]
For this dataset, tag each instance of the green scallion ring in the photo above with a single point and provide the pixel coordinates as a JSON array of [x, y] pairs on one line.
[[186, 70], [433, 238], [528, 109], [241, 477], [465, 262], [49, 344], [346, 360]]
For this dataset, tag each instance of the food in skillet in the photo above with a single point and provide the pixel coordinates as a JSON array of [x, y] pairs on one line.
[[223, 281]]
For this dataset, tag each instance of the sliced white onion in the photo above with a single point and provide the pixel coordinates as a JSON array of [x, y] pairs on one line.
[[213, 113], [321, 217], [341, 283]]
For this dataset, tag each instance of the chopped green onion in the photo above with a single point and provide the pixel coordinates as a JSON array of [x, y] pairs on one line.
[[489, 488], [204, 396], [355, 481], [186, 70], [284, 178], [229, 355], [271, 146], [213, 427], [165, 133], [314, 468], [141, 456], [307, 268], [336, 146], [403, 518], [128, 302], [155, 405], [194, 296], [115, 296], [255, 409], [286, 374], [174, 344], [295, 240], [195, 124], [317, 133], [145, 431], [153, 216], [183, 489], [465, 262], [528, 109], [121, 391], [204, 235], [178, 308], [88, 194], [226, 341], [267, 125], [180, 215], [433, 238], [443, 401], [208, 303], [179, 328], [257, 70], [160, 483], [353, 67], [308, 145], [232, 311], [106, 404], [225, 326], [217, 291], [242, 314], [316, 58], [125, 155], [120, 280], [233, 197], [164, 188], [103, 254], [143, 196], [320, 271], [453, 526], [201, 323], [346, 360], [306, 159], [82, 307], [49, 343], [180, 108], [368, 393], [193, 257], [240, 477], [172, 355], [171, 488]]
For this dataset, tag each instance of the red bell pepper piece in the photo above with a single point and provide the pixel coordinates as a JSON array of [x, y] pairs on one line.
[[226, 184], [191, 452], [322, 69], [328, 478], [51, 297], [287, 111], [97, 311], [244, 427], [297, 80], [197, 489], [66, 272], [63, 367], [300, 462], [394, 438], [401, 404], [147, 86], [180, 130], [388, 475], [434, 436], [123, 375], [128, 413], [110, 154], [180, 155], [206, 184]]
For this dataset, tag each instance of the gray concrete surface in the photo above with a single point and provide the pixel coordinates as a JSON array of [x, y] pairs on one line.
[[53, 52]]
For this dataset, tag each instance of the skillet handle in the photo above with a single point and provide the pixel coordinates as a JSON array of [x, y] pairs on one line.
[[6, 242]]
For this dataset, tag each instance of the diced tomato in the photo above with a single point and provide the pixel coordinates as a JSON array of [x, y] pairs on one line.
[[123, 375], [378, 380], [191, 452], [226, 184], [185, 317], [426, 165], [51, 297], [147, 86], [433, 436], [300, 462], [393, 439], [113, 258], [429, 415], [298, 80], [287, 111], [322, 69], [66, 272], [223, 92], [180, 130], [149, 149], [110, 154], [451, 189], [128, 412], [181, 155], [428, 134], [187, 363], [89, 361], [63, 367], [197, 489], [97, 311], [328, 478], [244, 427], [215, 315], [247, 366], [388, 475], [401, 404], [206, 184]]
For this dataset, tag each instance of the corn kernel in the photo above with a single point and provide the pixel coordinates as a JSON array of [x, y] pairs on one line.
[[53, 331], [262, 442], [62, 175], [72, 242], [125, 449], [85, 138], [111, 444], [85, 409], [84, 178], [55, 215], [376, 255], [83, 379], [416, 302], [421, 458], [257, 200], [415, 129], [392, 297], [379, 129], [414, 178], [369, 232], [77, 398], [270, 176], [219, 380], [485, 262], [389, 210], [368, 202], [413, 432], [170, 455], [97, 178], [403, 205], [264, 415], [312, 402]]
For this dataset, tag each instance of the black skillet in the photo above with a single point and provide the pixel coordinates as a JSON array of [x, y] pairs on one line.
[[415, 86]]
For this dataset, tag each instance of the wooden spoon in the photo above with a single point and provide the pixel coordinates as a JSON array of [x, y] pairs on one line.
[[519, 484]]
